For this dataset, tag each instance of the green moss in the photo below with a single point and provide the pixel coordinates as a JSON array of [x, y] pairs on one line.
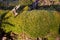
[[36, 23]]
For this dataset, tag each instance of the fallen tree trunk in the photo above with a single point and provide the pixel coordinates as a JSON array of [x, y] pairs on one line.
[[15, 9]]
